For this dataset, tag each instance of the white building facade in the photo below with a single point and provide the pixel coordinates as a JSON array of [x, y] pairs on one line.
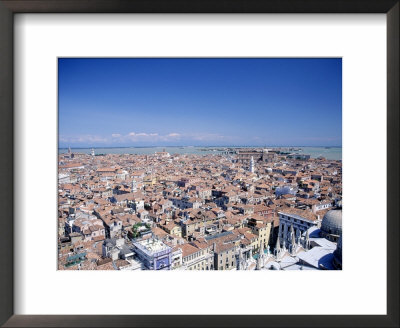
[[290, 223]]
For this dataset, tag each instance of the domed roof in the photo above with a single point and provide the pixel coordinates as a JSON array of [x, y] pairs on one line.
[[337, 254], [339, 246], [332, 222]]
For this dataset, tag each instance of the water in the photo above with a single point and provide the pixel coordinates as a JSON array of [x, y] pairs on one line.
[[333, 153], [139, 150]]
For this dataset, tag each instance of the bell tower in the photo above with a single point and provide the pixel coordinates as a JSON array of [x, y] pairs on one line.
[[252, 164]]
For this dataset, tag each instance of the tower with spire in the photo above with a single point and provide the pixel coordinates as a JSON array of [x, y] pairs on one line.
[[293, 240], [307, 241], [277, 249], [260, 259], [252, 164], [133, 186]]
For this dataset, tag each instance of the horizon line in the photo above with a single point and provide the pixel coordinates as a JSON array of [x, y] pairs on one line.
[[207, 146]]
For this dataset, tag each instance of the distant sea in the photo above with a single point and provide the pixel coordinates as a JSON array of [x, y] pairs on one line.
[[334, 153]]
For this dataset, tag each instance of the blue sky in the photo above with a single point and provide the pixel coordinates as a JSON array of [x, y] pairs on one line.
[[160, 102]]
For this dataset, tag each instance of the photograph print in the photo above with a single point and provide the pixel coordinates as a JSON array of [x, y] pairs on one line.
[[199, 164]]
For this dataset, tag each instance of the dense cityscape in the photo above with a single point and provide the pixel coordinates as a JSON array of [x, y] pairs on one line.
[[232, 209]]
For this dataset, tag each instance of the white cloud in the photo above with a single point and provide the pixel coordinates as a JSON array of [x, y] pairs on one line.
[[207, 137], [139, 136], [147, 137], [84, 139], [152, 136]]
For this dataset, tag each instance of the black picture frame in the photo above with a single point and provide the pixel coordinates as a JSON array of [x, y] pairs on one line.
[[10, 7]]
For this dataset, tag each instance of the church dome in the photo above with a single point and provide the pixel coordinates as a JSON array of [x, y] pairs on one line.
[[337, 255], [332, 223]]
